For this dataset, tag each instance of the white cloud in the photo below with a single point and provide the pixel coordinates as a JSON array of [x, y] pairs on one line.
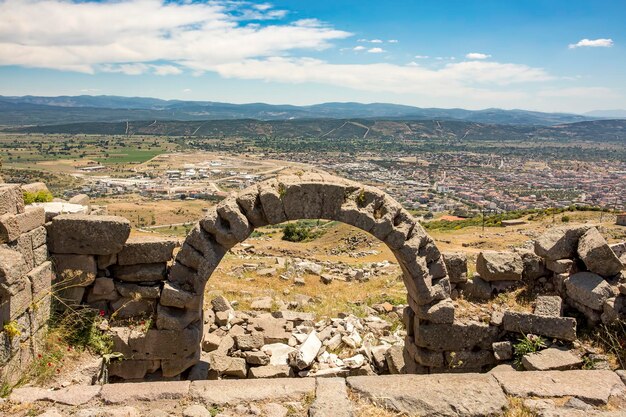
[[376, 41], [167, 70], [122, 34], [192, 37], [392, 41], [456, 80], [421, 57], [477, 55], [592, 43]]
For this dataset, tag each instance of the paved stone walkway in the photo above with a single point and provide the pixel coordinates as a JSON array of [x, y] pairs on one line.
[[547, 394]]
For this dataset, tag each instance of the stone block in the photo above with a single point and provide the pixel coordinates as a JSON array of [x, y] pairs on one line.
[[588, 289], [87, 235], [456, 264], [454, 337], [560, 266], [133, 369], [69, 297], [172, 318], [594, 387], [31, 219], [23, 244], [226, 365], [173, 367], [11, 200], [9, 228], [139, 273], [103, 290], [437, 395], [38, 236], [12, 267], [73, 270], [534, 265], [164, 344], [549, 305], [40, 255], [551, 359], [146, 250], [558, 327], [469, 360], [173, 296], [502, 351], [270, 371], [41, 280], [597, 255], [252, 341], [257, 358], [438, 312], [124, 308], [220, 303], [559, 242], [476, 289], [82, 199], [144, 391], [499, 266], [16, 300]]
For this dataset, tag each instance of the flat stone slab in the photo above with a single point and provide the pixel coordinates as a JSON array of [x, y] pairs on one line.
[[551, 359], [594, 387], [331, 399], [73, 395], [453, 395], [236, 391], [144, 391]]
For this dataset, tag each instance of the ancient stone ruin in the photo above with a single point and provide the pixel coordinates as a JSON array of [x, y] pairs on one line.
[[162, 286]]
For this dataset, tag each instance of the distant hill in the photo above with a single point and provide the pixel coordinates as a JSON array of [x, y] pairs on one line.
[[610, 114], [33, 110], [349, 129]]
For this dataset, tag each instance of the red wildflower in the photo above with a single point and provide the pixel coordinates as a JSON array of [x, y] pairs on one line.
[[102, 313], [39, 355], [49, 363]]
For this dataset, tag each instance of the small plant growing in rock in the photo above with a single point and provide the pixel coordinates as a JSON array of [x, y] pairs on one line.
[[360, 199], [281, 190], [565, 219], [12, 330], [38, 197], [530, 343]]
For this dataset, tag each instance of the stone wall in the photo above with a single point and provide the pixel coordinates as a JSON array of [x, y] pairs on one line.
[[25, 282], [154, 295]]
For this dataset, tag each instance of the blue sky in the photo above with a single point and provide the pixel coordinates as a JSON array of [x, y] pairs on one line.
[[547, 55]]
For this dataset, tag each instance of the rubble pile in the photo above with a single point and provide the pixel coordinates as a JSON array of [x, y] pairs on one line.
[[290, 343], [295, 269]]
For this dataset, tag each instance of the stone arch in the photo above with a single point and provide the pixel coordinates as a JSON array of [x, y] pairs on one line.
[[295, 197]]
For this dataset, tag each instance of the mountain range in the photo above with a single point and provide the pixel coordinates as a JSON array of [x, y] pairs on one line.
[[37, 110]]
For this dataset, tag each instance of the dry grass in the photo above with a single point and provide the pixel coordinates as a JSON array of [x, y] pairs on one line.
[[141, 211], [329, 300], [365, 408], [517, 408]]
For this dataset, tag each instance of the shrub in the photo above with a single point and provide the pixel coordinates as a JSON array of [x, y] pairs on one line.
[[38, 197], [530, 343], [296, 233], [565, 219]]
